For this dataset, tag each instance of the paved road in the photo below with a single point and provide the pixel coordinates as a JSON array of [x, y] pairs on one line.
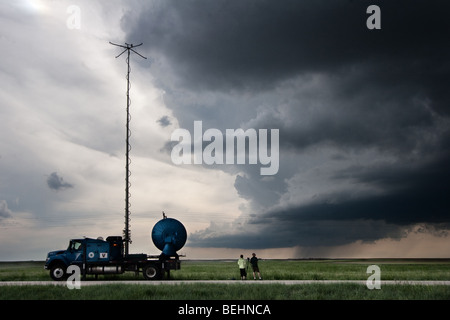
[[173, 282]]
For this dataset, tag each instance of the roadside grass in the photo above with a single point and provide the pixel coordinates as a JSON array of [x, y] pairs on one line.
[[238, 291], [23, 271], [227, 270], [270, 269], [317, 270]]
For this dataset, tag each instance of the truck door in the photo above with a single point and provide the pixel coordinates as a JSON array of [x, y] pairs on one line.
[[75, 252]]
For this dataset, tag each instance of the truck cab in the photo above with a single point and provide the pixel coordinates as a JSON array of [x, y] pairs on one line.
[[79, 251]]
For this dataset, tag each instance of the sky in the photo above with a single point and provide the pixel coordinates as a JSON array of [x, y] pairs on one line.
[[363, 117]]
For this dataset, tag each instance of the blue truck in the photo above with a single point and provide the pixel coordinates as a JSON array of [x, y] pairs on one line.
[[98, 256]]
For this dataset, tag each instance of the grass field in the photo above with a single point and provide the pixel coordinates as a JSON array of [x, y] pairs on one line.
[[226, 270]]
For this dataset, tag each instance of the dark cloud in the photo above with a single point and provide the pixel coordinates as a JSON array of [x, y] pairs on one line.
[[375, 82], [164, 121], [318, 111], [248, 44], [55, 182], [278, 234], [412, 196], [367, 109]]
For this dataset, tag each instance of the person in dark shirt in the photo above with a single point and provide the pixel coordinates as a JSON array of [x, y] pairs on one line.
[[254, 263]]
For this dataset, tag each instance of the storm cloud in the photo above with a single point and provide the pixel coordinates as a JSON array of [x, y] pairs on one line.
[[363, 114], [255, 44]]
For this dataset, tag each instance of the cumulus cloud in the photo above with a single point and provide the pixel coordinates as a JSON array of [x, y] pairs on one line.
[[55, 182]]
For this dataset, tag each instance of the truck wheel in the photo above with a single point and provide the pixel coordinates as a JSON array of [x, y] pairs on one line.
[[58, 272], [152, 272]]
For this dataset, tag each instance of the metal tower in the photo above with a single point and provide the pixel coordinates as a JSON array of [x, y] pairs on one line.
[[126, 232]]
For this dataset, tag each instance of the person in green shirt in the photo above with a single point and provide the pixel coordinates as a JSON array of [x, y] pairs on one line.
[[242, 265]]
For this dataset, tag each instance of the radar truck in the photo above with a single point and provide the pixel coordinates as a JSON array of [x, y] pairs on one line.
[[98, 256]]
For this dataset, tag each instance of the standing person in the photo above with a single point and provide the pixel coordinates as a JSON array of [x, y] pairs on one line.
[[254, 262], [242, 264]]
